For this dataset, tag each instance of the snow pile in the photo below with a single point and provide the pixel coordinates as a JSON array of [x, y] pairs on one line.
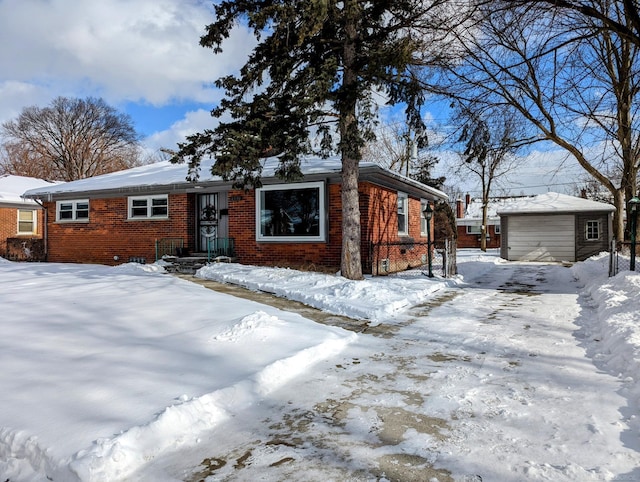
[[113, 365], [375, 298], [612, 336]]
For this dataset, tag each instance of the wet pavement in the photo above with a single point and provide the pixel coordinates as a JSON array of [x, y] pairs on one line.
[[360, 416], [321, 427]]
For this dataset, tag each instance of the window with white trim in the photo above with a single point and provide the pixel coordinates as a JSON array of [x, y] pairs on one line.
[[403, 213], [74, 210], [149, 207], [496, 228], [423, 221], [592, 230], [291, 213], [474, 229], [27, 219]]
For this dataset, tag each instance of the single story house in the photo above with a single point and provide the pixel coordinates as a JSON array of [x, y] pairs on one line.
[[21, 219], [143, 213], [555, 227], [469, 221]]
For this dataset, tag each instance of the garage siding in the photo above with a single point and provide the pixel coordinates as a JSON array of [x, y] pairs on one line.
[[541, 238]]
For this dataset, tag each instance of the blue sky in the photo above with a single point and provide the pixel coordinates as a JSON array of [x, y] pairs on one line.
[[143, 57]]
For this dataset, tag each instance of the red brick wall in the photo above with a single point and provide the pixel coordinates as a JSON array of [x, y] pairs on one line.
[[381, 221], [9, 227], [473, 240], [109, 233], [242, 227]]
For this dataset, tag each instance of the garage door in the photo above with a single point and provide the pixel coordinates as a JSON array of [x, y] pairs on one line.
[[541, 238]]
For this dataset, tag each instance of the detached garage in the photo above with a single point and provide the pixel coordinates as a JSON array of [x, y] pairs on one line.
[[554, 227]]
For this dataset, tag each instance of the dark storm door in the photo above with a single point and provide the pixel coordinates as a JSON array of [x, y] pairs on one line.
[[207, 220]]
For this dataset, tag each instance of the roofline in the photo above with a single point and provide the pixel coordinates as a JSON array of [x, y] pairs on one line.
[[609, 209], [372, 173], [18, 205]]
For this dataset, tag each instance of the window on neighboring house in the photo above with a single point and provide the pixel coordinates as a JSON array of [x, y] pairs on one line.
[[496, 228], [76, 210], [291, 213], [27, 221], [592, 230], [403, 213], [474, 230], [149, 207]]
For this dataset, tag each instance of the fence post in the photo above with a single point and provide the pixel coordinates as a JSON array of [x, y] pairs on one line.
[[613, 258]]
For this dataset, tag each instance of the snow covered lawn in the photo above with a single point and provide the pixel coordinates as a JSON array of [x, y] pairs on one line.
[[107, 372], [102, 368]]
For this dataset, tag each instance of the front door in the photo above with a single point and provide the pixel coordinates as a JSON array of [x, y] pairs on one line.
[[207, 220]]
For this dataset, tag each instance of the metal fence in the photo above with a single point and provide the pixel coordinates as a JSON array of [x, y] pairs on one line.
[[169, 247], [620, 257], [392, 257]]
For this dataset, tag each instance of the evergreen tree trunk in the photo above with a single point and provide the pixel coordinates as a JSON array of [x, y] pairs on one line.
[[350, 264]]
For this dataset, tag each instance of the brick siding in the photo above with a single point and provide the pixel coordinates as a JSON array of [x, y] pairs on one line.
[[9, 227], [109, 234], [473, 240]]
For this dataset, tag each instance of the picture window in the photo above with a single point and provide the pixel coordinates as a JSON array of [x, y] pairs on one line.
[[291, 213]]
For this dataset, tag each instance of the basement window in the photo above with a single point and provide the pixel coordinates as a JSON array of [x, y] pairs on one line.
[[74, 210], [291, 213], [149, 207]]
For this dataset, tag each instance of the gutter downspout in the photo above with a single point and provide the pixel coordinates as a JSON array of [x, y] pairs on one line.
[[45, 229]]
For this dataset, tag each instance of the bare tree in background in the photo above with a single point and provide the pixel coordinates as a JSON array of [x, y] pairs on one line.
[[68, 140], [401, 150], [571, 78], [490, 141], [623, 20]]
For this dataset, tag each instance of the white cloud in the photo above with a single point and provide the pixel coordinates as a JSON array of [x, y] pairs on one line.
[[195, 121], [141, 51]]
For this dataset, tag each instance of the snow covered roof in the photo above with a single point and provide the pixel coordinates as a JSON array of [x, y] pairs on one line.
[[472, 215], [474, 209], [553, 202], [13, 187], [165, 175]]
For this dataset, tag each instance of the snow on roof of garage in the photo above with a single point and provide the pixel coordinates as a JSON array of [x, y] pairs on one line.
[[553, 203]]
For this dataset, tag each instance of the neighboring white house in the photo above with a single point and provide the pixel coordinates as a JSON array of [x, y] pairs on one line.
[[554, 227]]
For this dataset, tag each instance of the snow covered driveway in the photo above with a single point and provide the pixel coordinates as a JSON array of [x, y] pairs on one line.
[[486, 382]]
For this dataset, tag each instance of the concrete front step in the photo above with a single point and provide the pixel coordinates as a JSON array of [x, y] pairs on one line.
[[191, 264]]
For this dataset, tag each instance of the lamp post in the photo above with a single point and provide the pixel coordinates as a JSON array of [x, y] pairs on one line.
[[428, 214], [634, 205]]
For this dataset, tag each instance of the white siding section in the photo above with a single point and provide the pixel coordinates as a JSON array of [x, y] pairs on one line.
[[541, 238]]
